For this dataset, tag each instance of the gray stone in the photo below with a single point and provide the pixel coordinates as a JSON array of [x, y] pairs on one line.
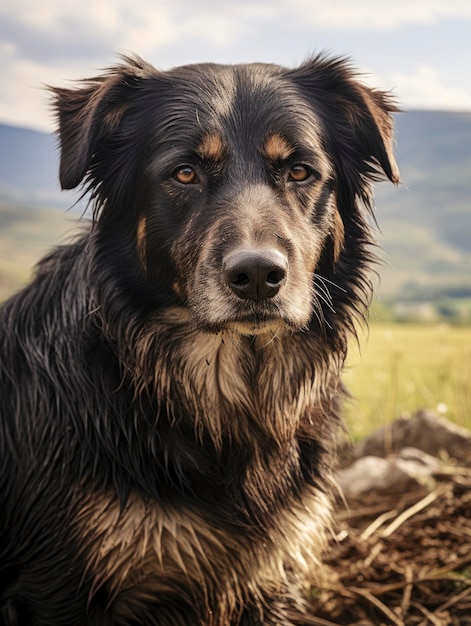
[[425, 431], [372, 474]]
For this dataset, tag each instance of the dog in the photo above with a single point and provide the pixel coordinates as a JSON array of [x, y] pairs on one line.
[[170, 381]]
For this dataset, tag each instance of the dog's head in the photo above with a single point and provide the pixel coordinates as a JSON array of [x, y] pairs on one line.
[[240, 186]]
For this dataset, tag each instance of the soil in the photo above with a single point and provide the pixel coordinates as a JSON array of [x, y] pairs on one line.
[[402, 560]]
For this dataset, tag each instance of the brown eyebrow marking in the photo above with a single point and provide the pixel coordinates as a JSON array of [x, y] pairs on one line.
[[141, 235], [276, 147], [212, 147]]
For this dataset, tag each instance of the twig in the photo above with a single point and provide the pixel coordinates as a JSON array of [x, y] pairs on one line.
[[377, 549], [453, 566], [416, 508], [311, 620], [406, 596], [430, 617], [456, 598], [382, 589], [379, 605], [377, 523]]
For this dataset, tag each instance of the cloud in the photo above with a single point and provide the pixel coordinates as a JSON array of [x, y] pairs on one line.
[[120, 24], [376, 14], [149, 25], [52, 42], [426, 87], [24, 100]]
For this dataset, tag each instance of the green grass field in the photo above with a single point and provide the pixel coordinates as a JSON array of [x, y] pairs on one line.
[[401, 368]]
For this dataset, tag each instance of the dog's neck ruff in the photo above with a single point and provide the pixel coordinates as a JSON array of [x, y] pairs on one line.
[[234, 385]]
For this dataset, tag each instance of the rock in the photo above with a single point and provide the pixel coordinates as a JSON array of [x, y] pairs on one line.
[[420, 459], [420, 466], [372, 474], [424, 431]]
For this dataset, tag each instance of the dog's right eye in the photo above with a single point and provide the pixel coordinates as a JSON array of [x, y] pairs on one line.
[[299, 172], [186, 175]]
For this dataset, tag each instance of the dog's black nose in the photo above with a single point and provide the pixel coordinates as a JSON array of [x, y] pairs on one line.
[[255, 274]]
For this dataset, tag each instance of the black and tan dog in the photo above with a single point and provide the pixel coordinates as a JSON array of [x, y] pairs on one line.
[[170, 381]]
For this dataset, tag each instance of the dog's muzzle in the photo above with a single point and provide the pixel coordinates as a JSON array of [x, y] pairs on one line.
[[255, 273]]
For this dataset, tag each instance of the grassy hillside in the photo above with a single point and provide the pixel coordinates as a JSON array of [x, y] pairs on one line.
[[25, 235]]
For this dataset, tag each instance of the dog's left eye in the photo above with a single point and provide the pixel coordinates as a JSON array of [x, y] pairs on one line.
[[186, 175], [298, 173]]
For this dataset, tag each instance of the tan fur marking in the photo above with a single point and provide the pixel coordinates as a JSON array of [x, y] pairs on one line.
[[212, 147], [276, 147], [338, 235], [141, 235]]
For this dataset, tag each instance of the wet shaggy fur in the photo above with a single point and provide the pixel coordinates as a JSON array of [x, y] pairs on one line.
[[170, 381]]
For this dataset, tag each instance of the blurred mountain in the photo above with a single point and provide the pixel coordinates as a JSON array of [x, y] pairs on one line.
[[426, 222], [28, 168]]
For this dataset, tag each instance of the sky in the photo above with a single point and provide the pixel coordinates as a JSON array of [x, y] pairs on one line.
[[418, 49]]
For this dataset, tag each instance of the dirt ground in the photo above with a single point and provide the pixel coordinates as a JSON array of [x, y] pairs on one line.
[[401, 560]]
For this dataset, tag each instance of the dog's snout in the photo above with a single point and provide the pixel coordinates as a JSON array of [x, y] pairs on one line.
[[255, 274]]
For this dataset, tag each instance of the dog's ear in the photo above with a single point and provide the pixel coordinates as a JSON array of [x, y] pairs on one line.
[[357, 120], [89, 114]]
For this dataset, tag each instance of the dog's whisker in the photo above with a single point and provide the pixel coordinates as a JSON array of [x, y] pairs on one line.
[[323, 279]]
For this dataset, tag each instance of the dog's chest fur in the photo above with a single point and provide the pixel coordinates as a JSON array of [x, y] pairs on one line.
[[259, 394], [234, 386], [145, 551]]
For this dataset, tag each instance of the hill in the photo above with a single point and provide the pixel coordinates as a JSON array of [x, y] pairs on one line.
[[25, 235], [425, 223], [28, 168]]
